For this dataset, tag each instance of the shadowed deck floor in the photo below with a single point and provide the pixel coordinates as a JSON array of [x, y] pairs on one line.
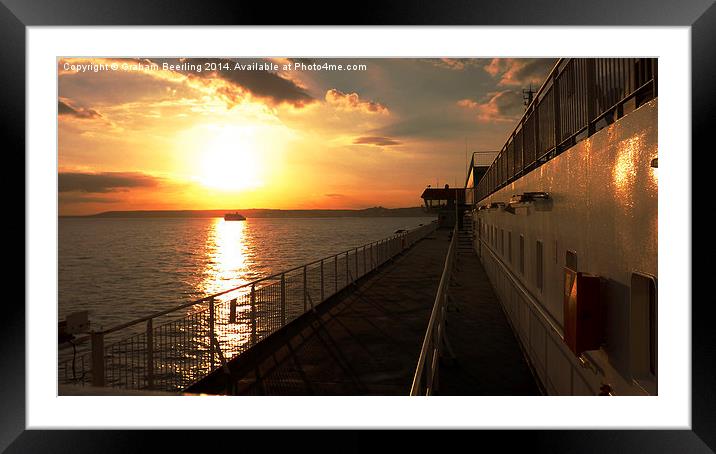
[[488, 358], [367, 342]]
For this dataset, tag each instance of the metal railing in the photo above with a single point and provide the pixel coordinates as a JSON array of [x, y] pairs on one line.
[[164, 352], [579, 97], [425, 380]]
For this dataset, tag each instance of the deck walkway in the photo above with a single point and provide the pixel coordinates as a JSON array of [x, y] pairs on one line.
[[488, 359], [367, 340], [364, 342]]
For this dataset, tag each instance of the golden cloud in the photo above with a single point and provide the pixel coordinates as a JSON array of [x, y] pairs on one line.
[[353, 102]]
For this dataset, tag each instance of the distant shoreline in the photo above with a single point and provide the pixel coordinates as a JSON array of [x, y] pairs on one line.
[[260, 213]]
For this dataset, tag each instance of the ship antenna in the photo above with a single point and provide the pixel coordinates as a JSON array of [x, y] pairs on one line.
[[527, 95]]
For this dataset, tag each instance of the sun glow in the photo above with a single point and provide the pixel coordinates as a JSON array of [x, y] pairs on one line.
[[230, 160]]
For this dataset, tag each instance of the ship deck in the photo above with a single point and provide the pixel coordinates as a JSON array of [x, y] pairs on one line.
[[488, 358], [367, 341]]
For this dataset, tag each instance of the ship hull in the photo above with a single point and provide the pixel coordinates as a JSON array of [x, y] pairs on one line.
[[601, 218]]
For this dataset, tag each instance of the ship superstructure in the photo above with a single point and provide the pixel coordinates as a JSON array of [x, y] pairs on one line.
[[566, 226]]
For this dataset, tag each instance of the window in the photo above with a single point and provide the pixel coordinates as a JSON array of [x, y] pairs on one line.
[[643, 326], [570, 260], [522, 254], [539, 278]]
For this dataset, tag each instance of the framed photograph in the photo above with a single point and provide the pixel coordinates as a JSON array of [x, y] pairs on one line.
[[443, 218]]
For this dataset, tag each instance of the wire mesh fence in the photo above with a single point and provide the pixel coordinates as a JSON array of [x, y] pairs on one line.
[[172, 349]]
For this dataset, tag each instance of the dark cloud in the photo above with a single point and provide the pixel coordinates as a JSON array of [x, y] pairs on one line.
[[78, 197], [455, 64], [335, 196], [376, 140], [65, 109], [305, 61], [520, 72], [506, 105], [260, 83], [534, 71], [104, 182]]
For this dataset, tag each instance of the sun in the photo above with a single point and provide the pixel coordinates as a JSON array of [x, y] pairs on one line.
[[230, 160]]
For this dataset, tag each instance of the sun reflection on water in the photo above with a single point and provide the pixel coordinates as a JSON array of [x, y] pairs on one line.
[[229, 265], [228, 256]]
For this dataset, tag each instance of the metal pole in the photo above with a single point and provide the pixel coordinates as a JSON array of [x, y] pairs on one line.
[[283, 299], [347, 269], [305, 290], [335, 272], [253, 314], [557, 118], [211, 331], [365, 262], [591, 95], [150, 354], [371, 256], [356, 257], [321, 280], [97, 358], [232, 311]]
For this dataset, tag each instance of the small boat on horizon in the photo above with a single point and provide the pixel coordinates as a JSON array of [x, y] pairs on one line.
[[234, 217]]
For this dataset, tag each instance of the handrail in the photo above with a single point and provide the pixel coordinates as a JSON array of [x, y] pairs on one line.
[[431, 347], [178, 351], [577, 94]]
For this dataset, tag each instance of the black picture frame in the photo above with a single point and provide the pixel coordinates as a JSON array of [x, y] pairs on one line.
[[700, 15]]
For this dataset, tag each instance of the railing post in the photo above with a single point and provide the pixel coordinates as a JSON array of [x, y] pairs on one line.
[[335, 272], [356, 257], [557, 118], [283, 299], [305, 290], [347, 266], [211, 331], [97, 339], [253, 314], [322, 280], [150, 354], [232, 311], [365, 262], [371, 257], [591, 95]]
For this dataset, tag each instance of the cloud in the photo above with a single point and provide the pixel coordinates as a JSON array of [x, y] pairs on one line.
[[227, 82], [305, 61], [506, 105], [259, 83], [104, 182], [76, 198], [375, 140], [520, 72], [455, 64], [63, 108], [352, 101]]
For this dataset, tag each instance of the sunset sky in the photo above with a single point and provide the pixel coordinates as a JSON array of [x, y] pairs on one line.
[[141, 137]]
